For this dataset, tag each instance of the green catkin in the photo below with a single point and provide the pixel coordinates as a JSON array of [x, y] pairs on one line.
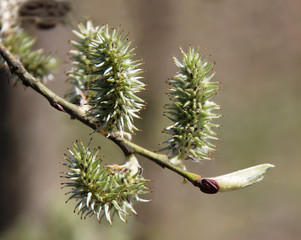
[[191, 109], [102, 190], [106, 78]]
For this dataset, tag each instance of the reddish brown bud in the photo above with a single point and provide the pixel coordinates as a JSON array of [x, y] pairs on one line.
[[57, 106], [206, 185]]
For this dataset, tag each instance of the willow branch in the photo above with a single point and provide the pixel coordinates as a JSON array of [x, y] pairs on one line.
[[78, 113]]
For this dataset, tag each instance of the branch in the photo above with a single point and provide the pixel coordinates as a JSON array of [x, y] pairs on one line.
[[78, 113], [232, 181]]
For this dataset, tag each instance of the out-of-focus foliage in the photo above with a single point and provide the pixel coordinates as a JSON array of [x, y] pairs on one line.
[[37, 63]]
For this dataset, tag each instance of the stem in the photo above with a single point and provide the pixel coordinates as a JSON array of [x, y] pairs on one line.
[[161, 159], [78, 113]]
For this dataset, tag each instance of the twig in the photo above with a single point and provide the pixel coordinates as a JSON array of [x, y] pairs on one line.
[[78, 113]]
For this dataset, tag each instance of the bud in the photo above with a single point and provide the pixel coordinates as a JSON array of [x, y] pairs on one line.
[[242, 178], [209, 186]]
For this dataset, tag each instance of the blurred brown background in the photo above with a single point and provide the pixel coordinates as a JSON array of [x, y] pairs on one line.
[[256, 45]]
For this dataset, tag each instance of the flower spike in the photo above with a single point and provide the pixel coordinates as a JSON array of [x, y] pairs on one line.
[[191, 109], [106, 77], [102, 190]]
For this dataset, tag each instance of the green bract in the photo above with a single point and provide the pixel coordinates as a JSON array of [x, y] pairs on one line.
[[102, 190], [106, 77], [190, 108]]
